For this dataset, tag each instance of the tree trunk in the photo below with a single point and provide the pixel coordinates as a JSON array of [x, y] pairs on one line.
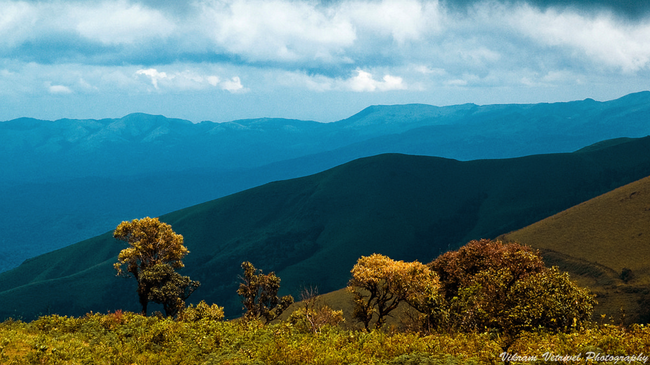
[[144, 301]]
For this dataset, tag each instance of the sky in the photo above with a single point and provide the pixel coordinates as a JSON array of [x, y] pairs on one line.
[[313, 60]]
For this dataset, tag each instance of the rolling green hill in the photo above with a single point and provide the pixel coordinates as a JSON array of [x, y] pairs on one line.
[[603, 243], [311, 230]]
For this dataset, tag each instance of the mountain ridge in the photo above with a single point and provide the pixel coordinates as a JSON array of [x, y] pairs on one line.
[[130, 163]]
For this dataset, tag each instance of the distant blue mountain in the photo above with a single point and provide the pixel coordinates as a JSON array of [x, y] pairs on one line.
[[67, 180]]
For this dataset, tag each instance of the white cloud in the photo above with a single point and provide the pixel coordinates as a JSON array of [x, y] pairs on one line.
[[364, 81], [600, 38], [86, 86], [402, 20], [106, 22], [189, 80], [154, 75], [119, 22], [233, 85], [276, 30], [213, 80], [426, 70], [456, 82], [58, 89], [16, 23], [308, 34]]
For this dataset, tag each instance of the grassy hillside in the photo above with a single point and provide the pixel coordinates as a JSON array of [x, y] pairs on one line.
[[311, 230], [605, 244]]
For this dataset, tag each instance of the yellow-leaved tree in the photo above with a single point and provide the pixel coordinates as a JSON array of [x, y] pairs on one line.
[[379, 284], [155, 251]]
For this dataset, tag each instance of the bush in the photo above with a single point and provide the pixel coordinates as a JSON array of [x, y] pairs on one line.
[[492, 286], [311, 320], [200, 312]]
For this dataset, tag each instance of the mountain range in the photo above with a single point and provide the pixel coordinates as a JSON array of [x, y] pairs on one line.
[[68, 180], [311, 230]]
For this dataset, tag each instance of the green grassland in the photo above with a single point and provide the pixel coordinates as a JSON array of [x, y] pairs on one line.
[[127, 338], [311, 230]]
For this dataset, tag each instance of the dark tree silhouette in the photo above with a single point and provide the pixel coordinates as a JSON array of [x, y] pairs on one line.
[[259, 294]]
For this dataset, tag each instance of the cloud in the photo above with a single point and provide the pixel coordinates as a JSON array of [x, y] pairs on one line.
[[119, 22], [58, 89], [154, 75], [327, 37], [429, 70], [364, 81], [456, 82], [276, 30], [213, 80], [600, 38], [108, 23], [360, 48], [233, 85], [16, 23], [630, 10], [189, 80], [403, 21]]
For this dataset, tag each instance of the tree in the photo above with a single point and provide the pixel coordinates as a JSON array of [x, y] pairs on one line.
[[259, 294], [491, 285], [457, 269], [168, 287], [154, 249], [379, 284]]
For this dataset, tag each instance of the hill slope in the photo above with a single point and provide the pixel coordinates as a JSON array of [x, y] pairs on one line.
[[605, 244], [311, 230]]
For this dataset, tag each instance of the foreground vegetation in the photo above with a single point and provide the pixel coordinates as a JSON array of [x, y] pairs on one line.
[[129, 338], [489, 302]]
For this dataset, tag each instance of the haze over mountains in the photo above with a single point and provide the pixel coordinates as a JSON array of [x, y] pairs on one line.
[[311, 230], [68, 180]]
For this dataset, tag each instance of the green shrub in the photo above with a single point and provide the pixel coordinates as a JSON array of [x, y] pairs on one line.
[[201, 311]]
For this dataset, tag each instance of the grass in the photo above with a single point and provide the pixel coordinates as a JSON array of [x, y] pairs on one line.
[[597, 241], [128, 338]]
